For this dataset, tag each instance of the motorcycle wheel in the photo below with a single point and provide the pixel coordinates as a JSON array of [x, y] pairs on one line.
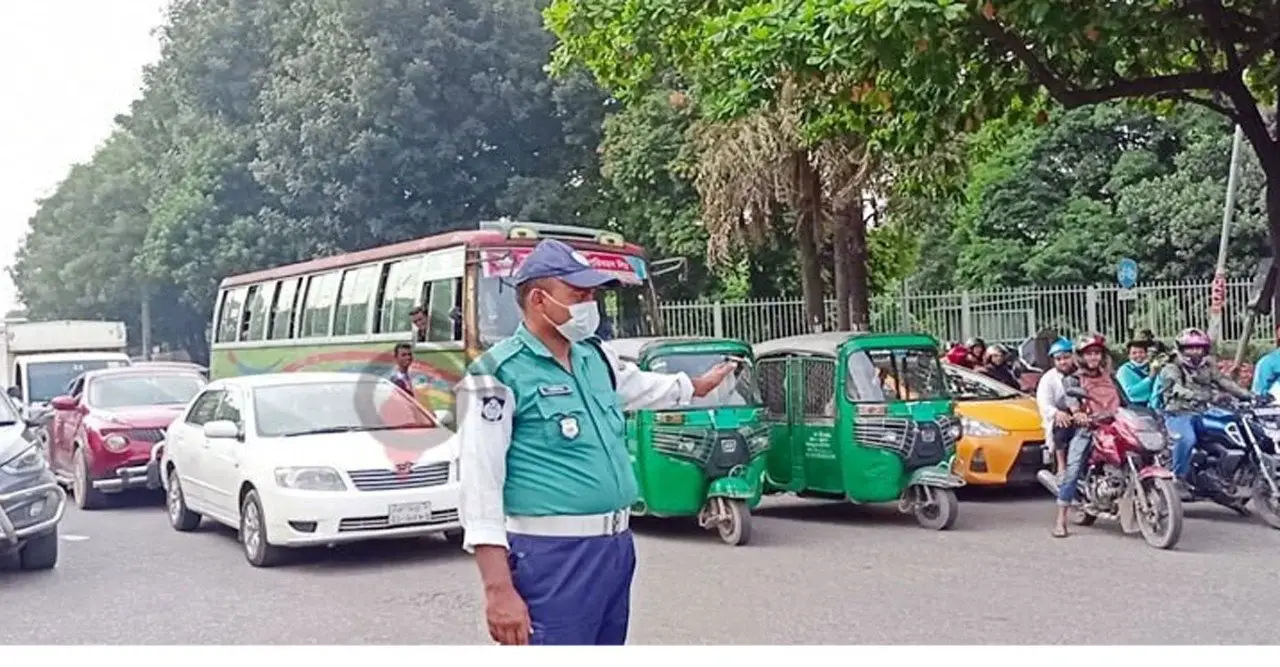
[[1266, 507], [736, 529], [1161, 534]]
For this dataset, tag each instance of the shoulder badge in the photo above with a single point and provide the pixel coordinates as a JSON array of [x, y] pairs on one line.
[[491, 408]]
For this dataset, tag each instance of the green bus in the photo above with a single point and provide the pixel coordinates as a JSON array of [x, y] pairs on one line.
[[347, 312]]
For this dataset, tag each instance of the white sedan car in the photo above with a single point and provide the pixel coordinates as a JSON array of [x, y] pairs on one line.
[[306, 459]]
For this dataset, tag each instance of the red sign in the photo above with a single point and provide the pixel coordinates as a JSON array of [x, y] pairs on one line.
[[505, 262], [1218, 293]]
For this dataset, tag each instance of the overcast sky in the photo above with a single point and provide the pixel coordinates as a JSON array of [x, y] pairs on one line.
[[67, 67]]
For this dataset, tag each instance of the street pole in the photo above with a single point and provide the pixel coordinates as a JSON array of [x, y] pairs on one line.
[[1218, 295]]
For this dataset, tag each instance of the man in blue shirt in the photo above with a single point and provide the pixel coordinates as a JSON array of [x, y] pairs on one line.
[[1137, 376], [1267, 372], [547, 483], [403, 359]]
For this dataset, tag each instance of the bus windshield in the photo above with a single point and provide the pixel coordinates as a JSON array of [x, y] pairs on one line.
[[623, 311]]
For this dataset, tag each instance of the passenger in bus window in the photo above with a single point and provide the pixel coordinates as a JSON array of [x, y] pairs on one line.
[[400, 376], [420, 324]]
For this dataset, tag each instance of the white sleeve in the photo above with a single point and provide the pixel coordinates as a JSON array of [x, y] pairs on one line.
[[1046, 402], [642, 390], [485, 408]]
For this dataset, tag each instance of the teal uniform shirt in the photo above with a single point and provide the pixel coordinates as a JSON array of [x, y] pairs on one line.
[[568, 451], [537, 440]]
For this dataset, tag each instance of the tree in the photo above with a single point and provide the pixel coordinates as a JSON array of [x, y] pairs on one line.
[[911, 74]]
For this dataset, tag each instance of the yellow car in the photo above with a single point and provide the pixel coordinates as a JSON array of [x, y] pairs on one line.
[[1003, 441]]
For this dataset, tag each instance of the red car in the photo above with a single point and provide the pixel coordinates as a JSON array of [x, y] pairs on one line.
[[105, 429]]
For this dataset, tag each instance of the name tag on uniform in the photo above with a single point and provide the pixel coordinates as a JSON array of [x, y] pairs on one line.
[[555, 390]]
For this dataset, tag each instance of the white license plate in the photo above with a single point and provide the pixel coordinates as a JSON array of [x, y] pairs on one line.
[[1046, 455], [408, 513]]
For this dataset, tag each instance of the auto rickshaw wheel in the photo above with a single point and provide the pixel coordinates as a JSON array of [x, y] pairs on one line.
[[941, 513], [735, 523]]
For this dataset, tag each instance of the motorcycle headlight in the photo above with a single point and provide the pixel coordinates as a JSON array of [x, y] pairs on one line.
[[115, 443], [980, 429], [310, 479], [26, 462]]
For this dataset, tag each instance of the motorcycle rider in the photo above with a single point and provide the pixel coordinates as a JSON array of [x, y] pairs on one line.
[[1267, 372], [1051, 395], [997, 367], [1186, 388], [1105, 399], [1137, 376], [977, 351]]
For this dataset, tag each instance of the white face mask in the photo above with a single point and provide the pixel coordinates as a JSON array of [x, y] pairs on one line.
[[584, 320]]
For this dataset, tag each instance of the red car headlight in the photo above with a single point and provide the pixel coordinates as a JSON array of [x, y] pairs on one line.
[[115, 443]]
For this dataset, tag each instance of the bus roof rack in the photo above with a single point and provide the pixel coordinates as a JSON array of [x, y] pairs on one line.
[[517, 229]]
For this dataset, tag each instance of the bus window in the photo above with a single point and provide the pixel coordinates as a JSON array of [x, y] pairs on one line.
[[317, 305], [229, 315], [399, 296], [257, 313], [444, 301], [282, 310], [353, 303], [499, 310]]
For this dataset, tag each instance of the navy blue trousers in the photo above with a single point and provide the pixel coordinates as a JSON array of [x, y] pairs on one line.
[[578, 589]]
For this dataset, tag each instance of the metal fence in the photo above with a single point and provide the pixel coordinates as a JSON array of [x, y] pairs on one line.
[[1007, 315]]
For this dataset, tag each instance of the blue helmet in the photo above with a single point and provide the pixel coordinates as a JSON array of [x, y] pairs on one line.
[[1061, 346]]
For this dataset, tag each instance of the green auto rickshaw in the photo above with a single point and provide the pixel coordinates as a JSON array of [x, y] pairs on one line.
[[861, 416], [705, 460]]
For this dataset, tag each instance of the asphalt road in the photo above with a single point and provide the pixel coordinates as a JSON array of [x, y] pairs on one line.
[[815, 573]]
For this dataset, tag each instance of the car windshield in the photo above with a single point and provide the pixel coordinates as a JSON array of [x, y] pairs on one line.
[[736, 390], [335, 407], [975, 387], [47, 379], [902, 374], [139, 390], [623, 311]]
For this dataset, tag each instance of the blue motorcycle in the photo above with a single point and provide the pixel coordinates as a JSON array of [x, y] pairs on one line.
[[1235, 462]]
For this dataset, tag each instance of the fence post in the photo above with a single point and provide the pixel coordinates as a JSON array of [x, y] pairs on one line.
[[904, 316], [717, 319], [1091, 308], [966, 316]]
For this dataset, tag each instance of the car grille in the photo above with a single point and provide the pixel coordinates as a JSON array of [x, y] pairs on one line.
[[433, 474], [145, 434], [1031, 454], [380, 522]]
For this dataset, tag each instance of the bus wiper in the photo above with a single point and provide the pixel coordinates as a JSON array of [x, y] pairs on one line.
[[393, 427]]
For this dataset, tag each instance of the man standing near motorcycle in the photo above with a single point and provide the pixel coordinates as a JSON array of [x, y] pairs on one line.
[[1105, 399], [1051, 395], [1137, 376], [1186, 388]]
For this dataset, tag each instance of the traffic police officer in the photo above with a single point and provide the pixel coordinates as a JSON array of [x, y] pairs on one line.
[[546, 479]]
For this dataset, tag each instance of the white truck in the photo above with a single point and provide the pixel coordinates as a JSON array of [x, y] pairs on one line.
[[39, 359]]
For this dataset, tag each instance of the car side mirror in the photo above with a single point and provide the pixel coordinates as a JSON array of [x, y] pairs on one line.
[[15, 393], [221, 430], [64, 403]]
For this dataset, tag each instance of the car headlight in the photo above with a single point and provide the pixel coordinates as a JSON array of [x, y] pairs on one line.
[[759, 442], [115, 443], [26, 462], [981, 429], [310, 479]]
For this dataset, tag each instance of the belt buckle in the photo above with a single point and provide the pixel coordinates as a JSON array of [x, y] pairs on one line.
[[611, 523]]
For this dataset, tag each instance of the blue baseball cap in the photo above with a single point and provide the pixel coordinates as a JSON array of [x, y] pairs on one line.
[[555, 259]]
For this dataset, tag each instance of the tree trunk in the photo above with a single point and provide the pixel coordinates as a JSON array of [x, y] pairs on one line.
[[841, 253], [807, 225], [1273, 223], [859, 277]]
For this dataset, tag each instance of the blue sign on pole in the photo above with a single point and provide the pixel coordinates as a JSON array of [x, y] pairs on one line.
[[1127, 273]]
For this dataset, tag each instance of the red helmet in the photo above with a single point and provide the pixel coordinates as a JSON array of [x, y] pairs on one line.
[[1088, 341]]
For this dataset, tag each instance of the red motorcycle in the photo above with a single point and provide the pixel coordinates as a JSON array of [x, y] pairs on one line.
[[1122, 480]]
